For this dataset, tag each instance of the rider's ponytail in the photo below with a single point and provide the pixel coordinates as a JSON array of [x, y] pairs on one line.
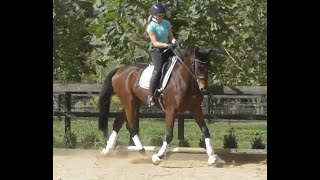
[[149, 18]]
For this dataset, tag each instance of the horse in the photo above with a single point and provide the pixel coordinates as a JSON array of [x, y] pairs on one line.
[[183, 92]]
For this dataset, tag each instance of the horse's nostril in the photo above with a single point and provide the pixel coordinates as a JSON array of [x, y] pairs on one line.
[[202, 89]]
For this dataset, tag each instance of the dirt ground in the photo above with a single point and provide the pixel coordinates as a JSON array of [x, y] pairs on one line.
[[80, 164]]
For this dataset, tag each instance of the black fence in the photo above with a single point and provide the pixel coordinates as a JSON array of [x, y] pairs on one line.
[[240, 103]]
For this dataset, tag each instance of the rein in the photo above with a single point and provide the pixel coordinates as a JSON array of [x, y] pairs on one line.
[[194, 75]]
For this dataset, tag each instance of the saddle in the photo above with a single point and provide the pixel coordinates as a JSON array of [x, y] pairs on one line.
[[166, 71]]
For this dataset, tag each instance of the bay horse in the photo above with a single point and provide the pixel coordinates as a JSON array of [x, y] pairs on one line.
[[184, 92]]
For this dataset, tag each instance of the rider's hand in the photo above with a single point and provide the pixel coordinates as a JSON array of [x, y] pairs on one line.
[[170, 46]]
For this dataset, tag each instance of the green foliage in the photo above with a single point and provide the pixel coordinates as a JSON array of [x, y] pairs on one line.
[[70, 139], [118, 32], [121, 142], [91, 140], [71, 40], [152, 133], [92, 37], [93, 102], [257, 142], [230, 139], [156, 139], [116, 105], [184, 143]]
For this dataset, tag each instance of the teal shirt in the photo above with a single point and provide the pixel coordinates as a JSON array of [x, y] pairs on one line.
[[160, 30]]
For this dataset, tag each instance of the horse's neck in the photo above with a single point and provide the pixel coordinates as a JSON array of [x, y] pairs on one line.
[[186, 66], [186, 74]]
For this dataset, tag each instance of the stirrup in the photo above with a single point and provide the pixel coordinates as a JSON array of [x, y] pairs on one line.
[[151, 101]]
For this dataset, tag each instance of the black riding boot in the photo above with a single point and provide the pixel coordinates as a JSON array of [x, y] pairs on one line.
[[156, 57], [154, 81]]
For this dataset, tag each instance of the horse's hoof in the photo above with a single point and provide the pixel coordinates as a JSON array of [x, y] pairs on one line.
[[212, 159], [142, 152], [104, 151], [155, 159]]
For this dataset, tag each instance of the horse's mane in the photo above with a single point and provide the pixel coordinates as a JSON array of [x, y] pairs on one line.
[[186, 51], [200, 52]]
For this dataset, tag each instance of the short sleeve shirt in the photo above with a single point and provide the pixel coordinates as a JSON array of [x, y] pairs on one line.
[[160, 30]]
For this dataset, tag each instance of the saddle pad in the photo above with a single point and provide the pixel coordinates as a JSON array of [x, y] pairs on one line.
[[144, 80]]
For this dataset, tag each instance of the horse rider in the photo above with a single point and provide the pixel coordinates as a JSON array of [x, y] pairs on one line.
[[161, 36]]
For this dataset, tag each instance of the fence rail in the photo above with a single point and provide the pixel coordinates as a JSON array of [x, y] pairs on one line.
[[66, 91], [214, 89], [162, 115]]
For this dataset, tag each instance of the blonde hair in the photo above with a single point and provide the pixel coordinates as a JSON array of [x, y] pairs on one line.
[[149, 18]]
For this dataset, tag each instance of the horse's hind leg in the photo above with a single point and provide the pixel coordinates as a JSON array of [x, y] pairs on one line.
[[197, 114], [118, 122], [132, 120]]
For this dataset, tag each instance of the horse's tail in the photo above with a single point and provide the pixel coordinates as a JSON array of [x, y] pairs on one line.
[[104, 102]]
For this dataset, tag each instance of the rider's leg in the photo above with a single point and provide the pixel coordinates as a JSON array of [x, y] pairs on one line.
[[154, 81]]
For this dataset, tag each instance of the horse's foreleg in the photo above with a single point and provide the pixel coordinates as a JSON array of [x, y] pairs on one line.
[[156, 158], [198, 116], [118, 122]]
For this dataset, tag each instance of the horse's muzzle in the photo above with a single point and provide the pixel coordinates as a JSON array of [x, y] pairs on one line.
[[202, 85]]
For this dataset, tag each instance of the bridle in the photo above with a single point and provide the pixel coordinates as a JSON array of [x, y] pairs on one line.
[[177, 53], [194, 68], [196, 61]]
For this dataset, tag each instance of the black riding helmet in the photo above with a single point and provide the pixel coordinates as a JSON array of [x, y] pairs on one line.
[[157, 9]]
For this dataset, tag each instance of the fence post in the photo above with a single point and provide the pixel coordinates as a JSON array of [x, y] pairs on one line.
[[59, 105], [67, 116], [180, 128]]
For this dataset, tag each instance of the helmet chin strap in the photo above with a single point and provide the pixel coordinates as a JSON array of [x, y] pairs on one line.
[[154, 20]]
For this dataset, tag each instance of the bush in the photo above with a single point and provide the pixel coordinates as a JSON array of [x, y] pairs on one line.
[[70, 139], [184, 143], [230, 140], [156, 140], [91, 140], [257, 143], [121, 143]]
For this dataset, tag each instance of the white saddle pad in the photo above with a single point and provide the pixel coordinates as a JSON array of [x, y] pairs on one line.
[[144, 81]]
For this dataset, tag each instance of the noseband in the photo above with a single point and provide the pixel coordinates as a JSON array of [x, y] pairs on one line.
[[198, 78]]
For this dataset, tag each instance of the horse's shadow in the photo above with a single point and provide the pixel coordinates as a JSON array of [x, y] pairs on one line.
[[187, 160], [223, 159]]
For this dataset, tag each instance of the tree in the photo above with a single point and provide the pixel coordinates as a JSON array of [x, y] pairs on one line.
[[113, 33], [235, 29], [71, 40]]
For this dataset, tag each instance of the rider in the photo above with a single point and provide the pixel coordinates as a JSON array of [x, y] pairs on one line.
[[160, 33]]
